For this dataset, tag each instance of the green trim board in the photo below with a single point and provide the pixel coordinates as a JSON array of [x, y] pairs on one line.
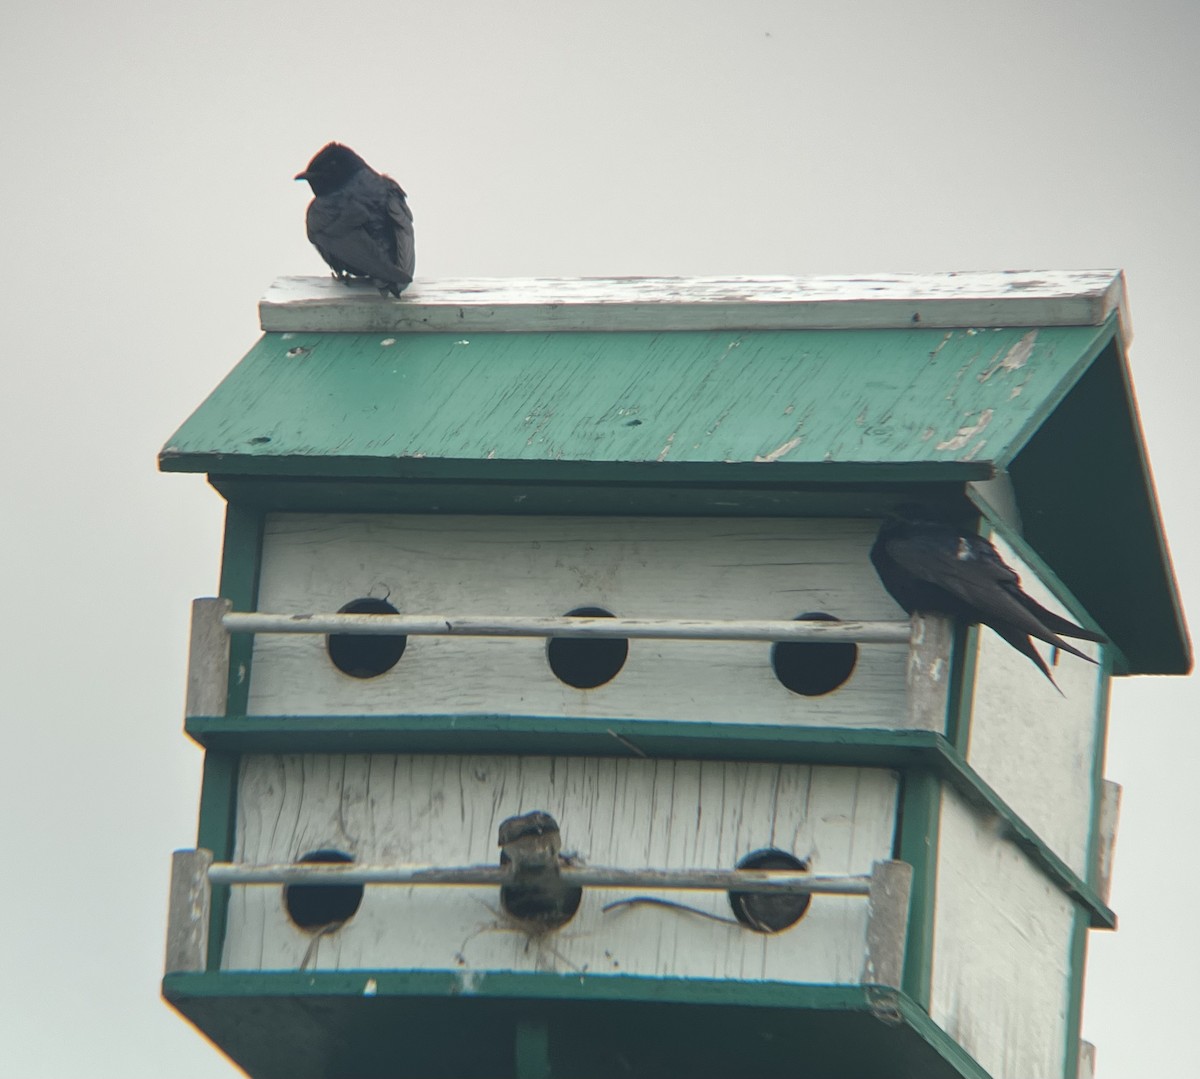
[[1087, 503], [598, 496], [1078, 974], [544, 735], [1099, 757], [355, 404], [465, 1023], [917, 834], [241, 562]]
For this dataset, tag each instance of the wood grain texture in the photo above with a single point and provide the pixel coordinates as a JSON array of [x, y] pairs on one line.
[[208, 659], [188, 911], [1034, 746], [875, 301], [476, 405], [643, 568], [1106, 837], [1001, 950], [667, 814]]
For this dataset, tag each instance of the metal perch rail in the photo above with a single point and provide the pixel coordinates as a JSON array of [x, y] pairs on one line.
[[761, 881], [570, 626], [194, 873]]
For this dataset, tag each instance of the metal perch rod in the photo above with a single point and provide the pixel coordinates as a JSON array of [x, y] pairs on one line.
[[764, 881], [512, 626]]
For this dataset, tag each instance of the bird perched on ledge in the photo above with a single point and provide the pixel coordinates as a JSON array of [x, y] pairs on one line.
[[927, 564], [537, 896], [359, 221]]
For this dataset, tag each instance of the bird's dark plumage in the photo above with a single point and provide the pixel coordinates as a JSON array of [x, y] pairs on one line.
[[927, 564], [537, 896], [359, 221]]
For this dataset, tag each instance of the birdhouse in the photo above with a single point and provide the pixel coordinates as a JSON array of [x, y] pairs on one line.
[[556, 720]]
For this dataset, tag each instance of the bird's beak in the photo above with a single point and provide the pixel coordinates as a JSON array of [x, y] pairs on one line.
[[300, 176]]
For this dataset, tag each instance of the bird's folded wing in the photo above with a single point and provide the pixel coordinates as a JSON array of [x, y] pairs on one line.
[[972, 572], [331, 218]]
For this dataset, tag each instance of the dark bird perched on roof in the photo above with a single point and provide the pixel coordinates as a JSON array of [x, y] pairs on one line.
[[929, 565], [359, 221]]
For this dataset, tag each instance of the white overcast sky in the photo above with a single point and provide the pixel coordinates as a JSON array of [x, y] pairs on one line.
[[148, 202]]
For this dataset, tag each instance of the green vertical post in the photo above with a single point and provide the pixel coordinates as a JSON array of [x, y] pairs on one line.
[[532, 1047], [920, 814], [218, 791]]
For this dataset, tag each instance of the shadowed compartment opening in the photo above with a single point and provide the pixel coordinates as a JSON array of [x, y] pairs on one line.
[[812, 668], [586, 663], [362, 656], [769, 913], [315, 906]]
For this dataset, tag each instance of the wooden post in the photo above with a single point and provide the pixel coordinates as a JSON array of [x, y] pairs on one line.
[[887, 923], [208, 659], [1106, 838], [188, 912], [929, 667]]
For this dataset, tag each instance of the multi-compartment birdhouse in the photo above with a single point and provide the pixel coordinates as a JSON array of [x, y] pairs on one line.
[[557, 723]]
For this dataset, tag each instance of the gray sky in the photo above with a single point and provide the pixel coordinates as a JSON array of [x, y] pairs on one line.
[[149, 202]]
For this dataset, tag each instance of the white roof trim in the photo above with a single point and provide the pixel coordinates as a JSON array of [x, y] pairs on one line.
[[535, 304]]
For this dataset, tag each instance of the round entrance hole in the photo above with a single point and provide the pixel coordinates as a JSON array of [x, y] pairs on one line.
[[584, 662], [362, 656], [769, 913], [813, 668], [314, 906]]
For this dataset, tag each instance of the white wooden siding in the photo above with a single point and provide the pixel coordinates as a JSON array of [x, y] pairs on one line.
[[1001, 949], [1034, 746], [644, 567], [627, 813]]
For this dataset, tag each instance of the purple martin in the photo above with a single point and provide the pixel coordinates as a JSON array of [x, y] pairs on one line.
[[927, 564], [537, 896], [359, 221]]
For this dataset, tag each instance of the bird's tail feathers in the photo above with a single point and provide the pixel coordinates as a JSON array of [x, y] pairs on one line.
[[1019, 639], [1057, 624]]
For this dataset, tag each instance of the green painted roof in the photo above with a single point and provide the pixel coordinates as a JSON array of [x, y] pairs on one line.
[[748, 402], [791, 402]]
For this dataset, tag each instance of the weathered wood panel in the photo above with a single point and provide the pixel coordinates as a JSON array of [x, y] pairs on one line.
[[1001, 950], [886, 405], [1033, 745], [875, 301], [644, 568], [624, 813]]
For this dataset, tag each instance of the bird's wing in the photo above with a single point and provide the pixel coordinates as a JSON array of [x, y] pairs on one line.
[[970, 569], [401, 220], [341, 227], [331, 218]]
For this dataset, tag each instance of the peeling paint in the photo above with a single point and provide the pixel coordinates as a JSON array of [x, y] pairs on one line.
[[967, 432], [927, 434], [387, 342], [974, 451], [1014, 359], [464, 341], [942, 344], [779, 451], [371, 988], [468, 981], [662, 456]]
